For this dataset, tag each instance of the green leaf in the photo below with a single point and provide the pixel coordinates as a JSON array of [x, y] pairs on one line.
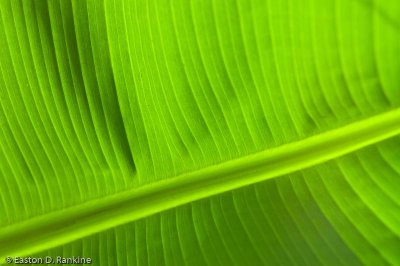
[[196, 132]]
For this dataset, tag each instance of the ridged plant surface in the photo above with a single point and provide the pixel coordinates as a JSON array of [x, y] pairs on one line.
[[201, 132]]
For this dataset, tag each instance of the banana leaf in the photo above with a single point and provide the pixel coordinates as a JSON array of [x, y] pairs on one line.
[[200, 132]]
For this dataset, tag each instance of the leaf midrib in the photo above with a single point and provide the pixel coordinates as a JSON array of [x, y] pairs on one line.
[[57, 228]]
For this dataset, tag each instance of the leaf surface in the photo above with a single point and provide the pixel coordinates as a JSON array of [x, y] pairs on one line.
[[144, 132]]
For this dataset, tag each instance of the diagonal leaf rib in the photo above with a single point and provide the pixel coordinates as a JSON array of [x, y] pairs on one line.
[[64, 226]]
